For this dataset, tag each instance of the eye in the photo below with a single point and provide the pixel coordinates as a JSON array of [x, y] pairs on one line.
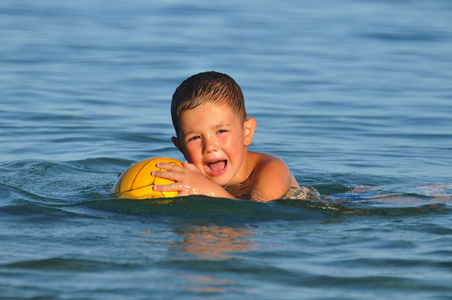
[[193, 138], [222, 130]]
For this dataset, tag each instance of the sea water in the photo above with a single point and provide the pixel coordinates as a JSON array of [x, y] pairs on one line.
[[355, 96]]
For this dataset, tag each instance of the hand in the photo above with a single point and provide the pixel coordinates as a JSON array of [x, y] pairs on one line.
[[188, 181]]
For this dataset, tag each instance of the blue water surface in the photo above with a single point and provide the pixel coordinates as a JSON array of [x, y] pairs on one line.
[[355, 96]]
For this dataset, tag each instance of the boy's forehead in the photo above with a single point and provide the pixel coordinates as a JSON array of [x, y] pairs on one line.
[[211, 108], [208, 114]]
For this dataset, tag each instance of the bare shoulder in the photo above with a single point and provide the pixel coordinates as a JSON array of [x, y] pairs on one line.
[[267, 161], [272, 178]]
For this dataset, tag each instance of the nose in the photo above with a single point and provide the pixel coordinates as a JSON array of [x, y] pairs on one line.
[[210, 145]]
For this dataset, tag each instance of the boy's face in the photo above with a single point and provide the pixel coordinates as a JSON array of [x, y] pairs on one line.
[[213, 138]]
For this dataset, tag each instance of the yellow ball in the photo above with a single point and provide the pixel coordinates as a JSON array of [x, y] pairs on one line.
[[137, 182]]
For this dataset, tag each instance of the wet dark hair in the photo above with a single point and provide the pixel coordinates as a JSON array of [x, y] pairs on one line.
[[207, 87]]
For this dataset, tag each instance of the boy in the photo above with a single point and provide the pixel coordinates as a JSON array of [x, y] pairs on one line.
[[213, 133]]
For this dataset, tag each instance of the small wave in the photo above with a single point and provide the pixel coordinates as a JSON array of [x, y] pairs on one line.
[[405, 36], [221, 209], [39, 213], [66, 264], [203, 207]]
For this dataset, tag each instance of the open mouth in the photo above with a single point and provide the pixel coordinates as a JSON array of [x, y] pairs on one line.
[[217, 167]]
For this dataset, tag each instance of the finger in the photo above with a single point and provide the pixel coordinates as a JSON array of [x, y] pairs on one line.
[[169, 167], [171, 175]]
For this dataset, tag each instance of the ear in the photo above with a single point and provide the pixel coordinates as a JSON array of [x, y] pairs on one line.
[[177, 143], [248, 127]]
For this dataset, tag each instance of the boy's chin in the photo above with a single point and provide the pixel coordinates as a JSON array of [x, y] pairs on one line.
[[220, 180]]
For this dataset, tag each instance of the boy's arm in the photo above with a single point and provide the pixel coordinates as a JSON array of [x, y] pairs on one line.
[[272, 180]]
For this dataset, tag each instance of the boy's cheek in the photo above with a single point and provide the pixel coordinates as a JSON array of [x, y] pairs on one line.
[[191, 152], [187, 152], [196, 162], [189, 157]]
